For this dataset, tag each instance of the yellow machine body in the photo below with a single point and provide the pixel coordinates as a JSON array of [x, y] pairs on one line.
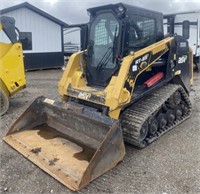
[[12, 74], [115, 95]]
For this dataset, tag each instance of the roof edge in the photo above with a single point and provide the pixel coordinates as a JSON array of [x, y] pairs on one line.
[[181, 13], [36, 10]]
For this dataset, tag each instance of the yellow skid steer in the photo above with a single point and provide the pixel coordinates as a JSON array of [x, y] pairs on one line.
[[130, 83], [12, 73]]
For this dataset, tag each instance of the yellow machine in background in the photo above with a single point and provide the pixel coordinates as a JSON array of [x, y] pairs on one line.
[[12, 73]]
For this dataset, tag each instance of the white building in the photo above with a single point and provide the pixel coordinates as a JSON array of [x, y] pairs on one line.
[[174, 23], [47, 35]]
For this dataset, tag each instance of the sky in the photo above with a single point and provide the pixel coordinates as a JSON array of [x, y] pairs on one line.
[[74, 11]]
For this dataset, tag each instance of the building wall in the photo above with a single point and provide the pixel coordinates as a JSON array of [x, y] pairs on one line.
[[46, 35], [194, 29], [46, 39], [194, 38]]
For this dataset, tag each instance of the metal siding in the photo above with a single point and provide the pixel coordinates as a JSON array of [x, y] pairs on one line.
[[193, 40], [46, 35], [43, 60], [192, 17]]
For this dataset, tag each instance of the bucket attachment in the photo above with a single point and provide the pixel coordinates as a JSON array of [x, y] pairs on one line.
[[72, 143]]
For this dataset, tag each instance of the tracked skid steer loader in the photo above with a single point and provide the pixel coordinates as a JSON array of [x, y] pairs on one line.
[[130, 83]]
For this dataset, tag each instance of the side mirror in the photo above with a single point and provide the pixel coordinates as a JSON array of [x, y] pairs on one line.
[[186, 29], [26, 39]]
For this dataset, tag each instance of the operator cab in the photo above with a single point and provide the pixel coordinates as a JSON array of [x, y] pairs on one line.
[[114, 31]]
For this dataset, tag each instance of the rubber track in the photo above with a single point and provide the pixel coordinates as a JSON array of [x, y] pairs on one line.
[[133, 118]]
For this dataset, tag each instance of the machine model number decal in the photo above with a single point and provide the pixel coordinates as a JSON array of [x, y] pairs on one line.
[[84, 95], [141, 59], [138, 61], [182, 59]]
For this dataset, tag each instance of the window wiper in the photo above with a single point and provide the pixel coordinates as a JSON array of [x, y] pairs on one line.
[[110, 51], [105, 59]]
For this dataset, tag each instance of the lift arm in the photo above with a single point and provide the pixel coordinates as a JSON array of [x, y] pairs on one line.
[[7, 24]]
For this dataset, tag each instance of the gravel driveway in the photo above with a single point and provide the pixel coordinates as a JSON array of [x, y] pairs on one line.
[[169, 165]]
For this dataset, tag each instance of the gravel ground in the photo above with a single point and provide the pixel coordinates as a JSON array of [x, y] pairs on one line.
[[169, 165]]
